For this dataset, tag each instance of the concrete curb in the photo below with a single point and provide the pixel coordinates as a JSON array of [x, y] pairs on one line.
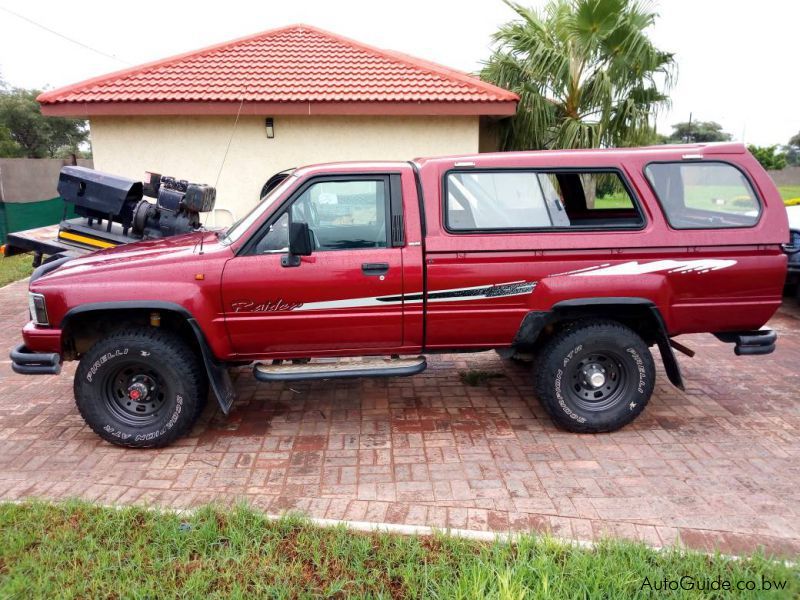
[[408, 530]]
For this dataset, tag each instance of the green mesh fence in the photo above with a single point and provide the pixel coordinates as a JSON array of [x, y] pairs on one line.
[[18, 216]]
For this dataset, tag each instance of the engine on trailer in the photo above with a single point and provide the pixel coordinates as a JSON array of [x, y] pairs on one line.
[[101, 197]]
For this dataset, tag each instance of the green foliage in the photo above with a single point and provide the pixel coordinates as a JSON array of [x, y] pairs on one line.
[[698, 132], [792, 150], [8, 147], [25, 132], [586, 73], [769, 157], [14, 268], [77, 550]]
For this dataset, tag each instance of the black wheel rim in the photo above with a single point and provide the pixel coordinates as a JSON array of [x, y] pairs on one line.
[[135, 393], [598, 381]]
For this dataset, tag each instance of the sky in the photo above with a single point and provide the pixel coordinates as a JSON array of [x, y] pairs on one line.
[[737, 61]]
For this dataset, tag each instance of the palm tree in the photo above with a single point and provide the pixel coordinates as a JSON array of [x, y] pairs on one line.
[[586, 73]]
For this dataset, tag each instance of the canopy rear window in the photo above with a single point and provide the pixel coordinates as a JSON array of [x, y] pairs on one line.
[[707, 195]]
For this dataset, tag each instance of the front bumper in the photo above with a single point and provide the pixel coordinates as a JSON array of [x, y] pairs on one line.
[[41, 339], [39, 353], [27, 362]]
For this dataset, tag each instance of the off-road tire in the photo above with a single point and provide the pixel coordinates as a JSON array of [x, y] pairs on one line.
[[163, 370], [618, 357]]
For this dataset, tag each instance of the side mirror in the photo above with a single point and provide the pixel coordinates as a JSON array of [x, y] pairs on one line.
[[301, 243]]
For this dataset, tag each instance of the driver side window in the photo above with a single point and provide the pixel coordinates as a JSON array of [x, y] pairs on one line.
[[277, 238], [341, 214]]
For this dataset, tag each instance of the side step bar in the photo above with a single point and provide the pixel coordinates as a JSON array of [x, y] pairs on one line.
[[760, 341], [339, 368]]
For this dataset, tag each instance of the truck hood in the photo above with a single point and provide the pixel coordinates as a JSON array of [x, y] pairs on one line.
[[151, 253]]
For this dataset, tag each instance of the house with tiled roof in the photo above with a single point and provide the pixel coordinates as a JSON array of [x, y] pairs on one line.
[[278, 99]]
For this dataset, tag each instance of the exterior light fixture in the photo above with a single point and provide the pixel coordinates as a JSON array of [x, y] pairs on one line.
[[270, 125]]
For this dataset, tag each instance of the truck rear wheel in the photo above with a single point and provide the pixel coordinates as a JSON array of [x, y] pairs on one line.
[[140, 388], [595, 377]]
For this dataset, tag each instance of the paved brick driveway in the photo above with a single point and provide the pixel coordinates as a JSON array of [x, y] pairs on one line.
[[718, 465]]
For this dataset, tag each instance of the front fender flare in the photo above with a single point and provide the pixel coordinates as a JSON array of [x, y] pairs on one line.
[[217, 372]]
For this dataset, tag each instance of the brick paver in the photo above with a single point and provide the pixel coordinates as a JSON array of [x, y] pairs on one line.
[[716, 466]]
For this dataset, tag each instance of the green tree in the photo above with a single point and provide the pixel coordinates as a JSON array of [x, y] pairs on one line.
[[793, 150], [769, 157], [32, 134], [697, 132], [586, 73], [8, 147]]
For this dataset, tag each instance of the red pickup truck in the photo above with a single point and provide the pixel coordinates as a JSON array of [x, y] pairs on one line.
[[579, 260]]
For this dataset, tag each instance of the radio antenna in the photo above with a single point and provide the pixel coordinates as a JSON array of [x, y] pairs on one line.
[[222, 164], [230, 139]]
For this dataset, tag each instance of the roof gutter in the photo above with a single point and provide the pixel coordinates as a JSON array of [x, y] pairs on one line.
[[85, 110]]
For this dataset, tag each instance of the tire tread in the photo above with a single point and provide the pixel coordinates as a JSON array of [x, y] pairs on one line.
[[569, 337], [189, 364]]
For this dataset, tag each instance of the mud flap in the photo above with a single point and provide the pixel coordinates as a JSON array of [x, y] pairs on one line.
[[671, 365], [218, 375]]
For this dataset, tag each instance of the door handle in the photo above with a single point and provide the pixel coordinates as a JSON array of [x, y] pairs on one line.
[[374, 269]]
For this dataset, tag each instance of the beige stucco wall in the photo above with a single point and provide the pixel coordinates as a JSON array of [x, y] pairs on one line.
[[193, 147]]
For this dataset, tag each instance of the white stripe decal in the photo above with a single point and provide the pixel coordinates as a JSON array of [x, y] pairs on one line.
[[703, 265], [520, 293], [346, 303], [491, 290]]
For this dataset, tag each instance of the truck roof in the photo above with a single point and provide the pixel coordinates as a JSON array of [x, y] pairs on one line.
[[355, 165], [707, 149], [715, 148]]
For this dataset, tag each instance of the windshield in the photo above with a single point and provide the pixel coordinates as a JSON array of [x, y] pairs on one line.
[[235, 231]]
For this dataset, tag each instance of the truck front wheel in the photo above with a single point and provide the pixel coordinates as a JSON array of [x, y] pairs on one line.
[[595, 377], [140, 388]]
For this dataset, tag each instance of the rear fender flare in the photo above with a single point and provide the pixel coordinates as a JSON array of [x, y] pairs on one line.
[[604, 307]]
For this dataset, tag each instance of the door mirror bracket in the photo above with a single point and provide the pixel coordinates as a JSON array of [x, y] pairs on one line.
[[301, 243]]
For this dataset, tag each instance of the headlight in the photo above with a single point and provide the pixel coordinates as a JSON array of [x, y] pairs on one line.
[[38, 308]]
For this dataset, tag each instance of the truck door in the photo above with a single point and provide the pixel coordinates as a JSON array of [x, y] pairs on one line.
[[347, 295]]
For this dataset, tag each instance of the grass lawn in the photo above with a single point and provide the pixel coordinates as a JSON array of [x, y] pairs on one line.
[[14, 268], [620, 200], [615, 200], [788, 192], [77, 550]]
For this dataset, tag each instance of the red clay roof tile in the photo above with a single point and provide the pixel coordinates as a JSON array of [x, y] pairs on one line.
[[295, 64]]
